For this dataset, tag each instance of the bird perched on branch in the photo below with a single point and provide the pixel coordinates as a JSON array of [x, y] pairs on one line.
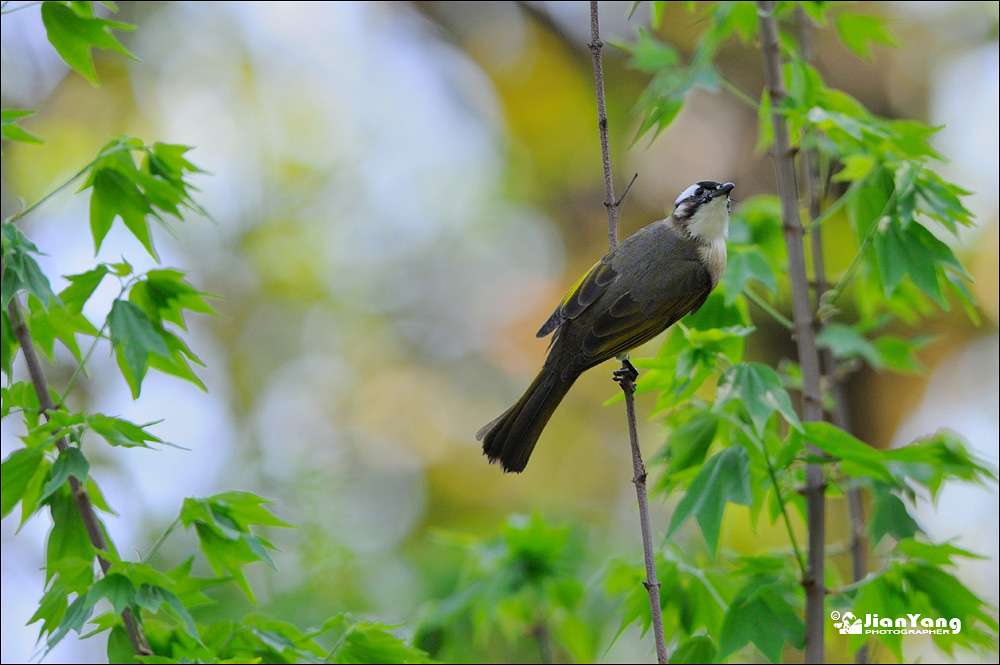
[[638, 290]]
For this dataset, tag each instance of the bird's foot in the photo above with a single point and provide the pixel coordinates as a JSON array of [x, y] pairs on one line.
[[627, 371]]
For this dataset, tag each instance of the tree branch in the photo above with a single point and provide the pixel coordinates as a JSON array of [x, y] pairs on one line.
[[92, 524], [626, 377], [610, 202], [830, 376], [812, 403]]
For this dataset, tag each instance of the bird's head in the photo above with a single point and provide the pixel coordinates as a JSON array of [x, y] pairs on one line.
[[703, 210]]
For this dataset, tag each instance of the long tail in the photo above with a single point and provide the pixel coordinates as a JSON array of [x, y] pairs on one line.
[[512, 435]]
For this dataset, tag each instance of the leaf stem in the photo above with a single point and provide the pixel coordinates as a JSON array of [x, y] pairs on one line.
[[104, 153], [769, 309]]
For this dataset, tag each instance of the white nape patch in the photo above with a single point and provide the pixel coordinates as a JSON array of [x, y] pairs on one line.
[[686, 193]]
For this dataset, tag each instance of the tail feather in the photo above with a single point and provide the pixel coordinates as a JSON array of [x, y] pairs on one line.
[[511, 436]]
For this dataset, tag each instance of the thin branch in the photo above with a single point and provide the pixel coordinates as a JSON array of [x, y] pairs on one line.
[[627, 374], [839, 417], [652, 584], [812, 399], [92, 524], [769, 309], [610, 202], [749, 433]]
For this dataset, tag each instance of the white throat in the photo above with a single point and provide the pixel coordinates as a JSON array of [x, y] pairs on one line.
[[710, 223], [710, 226]]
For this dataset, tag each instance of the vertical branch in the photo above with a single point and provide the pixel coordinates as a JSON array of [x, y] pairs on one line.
[[812, 404], [602, 123], [830, 376], [626, 375], [88, 515]]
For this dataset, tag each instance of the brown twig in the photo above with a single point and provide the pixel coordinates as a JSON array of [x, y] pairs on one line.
[[830, 375], [626, 375], [610, 202], [88, 515], [812, 400]]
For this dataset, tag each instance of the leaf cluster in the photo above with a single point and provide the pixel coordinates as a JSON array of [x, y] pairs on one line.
[[733, 435]]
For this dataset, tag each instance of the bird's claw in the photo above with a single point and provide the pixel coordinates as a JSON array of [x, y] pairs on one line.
[[626, 371]]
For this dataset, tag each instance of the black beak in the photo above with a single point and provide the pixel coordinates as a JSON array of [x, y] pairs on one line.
[[724, 190]]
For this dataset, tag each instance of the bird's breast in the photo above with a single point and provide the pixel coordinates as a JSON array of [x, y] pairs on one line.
[[713, 256]]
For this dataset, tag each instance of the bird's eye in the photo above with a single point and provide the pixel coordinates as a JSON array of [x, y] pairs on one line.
[[699, 192]]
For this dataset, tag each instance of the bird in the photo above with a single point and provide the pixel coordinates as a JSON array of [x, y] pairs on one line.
[[640, 288]]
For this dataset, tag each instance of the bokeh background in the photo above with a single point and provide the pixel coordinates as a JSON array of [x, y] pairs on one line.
[[400, 193]]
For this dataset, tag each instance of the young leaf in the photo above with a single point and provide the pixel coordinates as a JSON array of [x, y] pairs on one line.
[[11, 131], [758, 389], [857, 459], [81, 287], [71, 462], [723, 478], [889, 516], [17, 470], [134, 337], [120, 432], [859, 31], [744, 266], [695, 650], [846, 342], [73, 31], [761, 613], [21, 272]]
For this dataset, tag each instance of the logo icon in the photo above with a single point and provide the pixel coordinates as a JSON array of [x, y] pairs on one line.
[[848, 624]]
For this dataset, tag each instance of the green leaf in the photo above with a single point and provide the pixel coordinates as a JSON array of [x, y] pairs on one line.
[[21, 271], [651, 55], [898, 353], [859, 31], [937, 458], [889, 516], [120, 432], [120, 647], [68, 539], [723, 478], [151, 597], [71, 462], [744, 266], [57, 322], [366, 642], [116, 589], [694, 650], [868, 203], [932, 553], [223, 525], [81, 287], [688, 444], [758, 389], [17, 470], [846, 342], [8, 350], [76, 615], [163, 294], [761, 613], [114, 196], [11, 131], [74, 32], [134, 337], [857, 459]]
